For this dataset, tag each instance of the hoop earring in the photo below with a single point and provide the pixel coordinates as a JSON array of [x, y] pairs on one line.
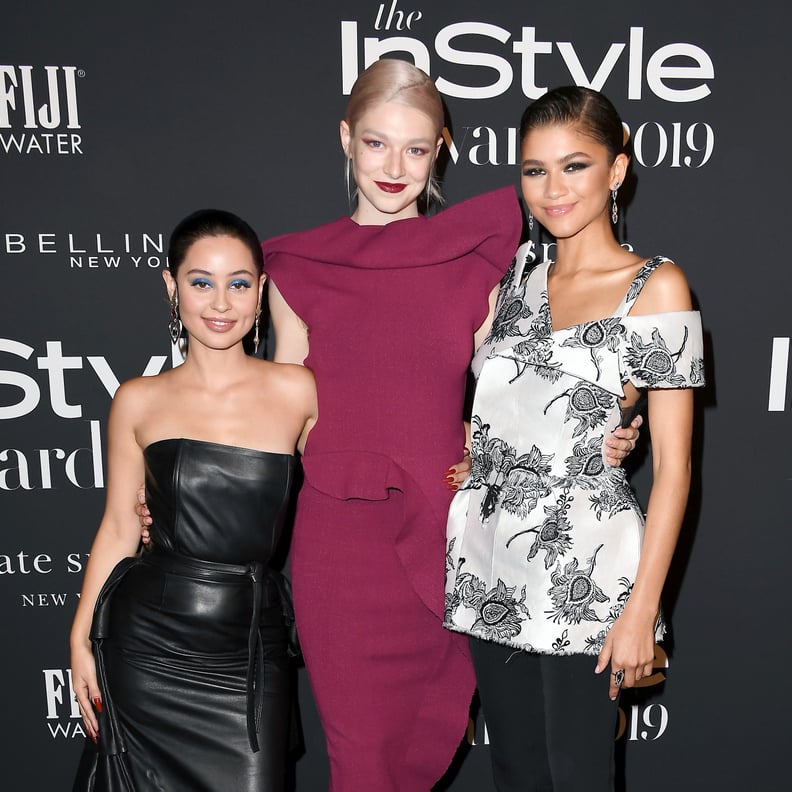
[[530, 220], [175, 324], [615, 207], [256, 326]]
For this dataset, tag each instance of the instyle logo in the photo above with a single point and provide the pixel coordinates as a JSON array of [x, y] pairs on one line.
[[498, 60], [674, 72], [48, 381], [34, 102]]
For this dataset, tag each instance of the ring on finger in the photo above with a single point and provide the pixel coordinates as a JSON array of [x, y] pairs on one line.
[[618, 677]]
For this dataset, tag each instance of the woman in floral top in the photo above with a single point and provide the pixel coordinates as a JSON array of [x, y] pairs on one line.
[[550, 567]]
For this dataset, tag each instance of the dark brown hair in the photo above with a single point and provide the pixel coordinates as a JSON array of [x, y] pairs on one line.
[[211, 223], [590, 112]]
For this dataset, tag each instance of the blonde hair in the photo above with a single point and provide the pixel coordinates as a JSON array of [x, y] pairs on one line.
[[392, 80]]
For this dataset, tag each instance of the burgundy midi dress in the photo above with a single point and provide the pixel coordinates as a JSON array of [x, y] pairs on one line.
[[391, 312]]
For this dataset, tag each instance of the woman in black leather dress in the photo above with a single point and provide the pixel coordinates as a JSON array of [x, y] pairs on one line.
[[179, 656]]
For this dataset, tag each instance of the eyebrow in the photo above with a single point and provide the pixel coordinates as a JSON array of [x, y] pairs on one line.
[[427, 141], [566, 158], [207, 272]]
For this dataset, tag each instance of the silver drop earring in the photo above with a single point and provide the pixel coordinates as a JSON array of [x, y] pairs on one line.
[[175, 324], [256, 326], [530, 220], [615, 207], [348, 181]]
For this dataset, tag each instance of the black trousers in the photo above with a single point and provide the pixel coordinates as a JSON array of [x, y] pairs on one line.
[[550, 722]]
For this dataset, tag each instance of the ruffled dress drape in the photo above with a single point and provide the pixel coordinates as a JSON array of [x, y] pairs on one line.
[[391, 312]]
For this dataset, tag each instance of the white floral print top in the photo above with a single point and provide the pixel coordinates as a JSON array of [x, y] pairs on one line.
[[544, 538]]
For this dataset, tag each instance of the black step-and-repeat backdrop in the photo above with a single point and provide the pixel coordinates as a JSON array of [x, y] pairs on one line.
[[116, 119]]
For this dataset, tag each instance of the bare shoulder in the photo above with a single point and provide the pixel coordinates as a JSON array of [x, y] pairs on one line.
[[296, 373], [135, 392], [666, 290], [283, 375], [288, 385], [135, 396]]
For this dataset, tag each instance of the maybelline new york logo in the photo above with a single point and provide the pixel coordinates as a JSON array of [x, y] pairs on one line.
[[103, 250], [39, 110], [679, 73]]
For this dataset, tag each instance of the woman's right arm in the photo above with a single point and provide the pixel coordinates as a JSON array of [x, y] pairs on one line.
[[118, 537], [291, 333]]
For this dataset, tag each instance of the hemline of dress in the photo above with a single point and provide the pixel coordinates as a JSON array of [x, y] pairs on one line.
[[452, 627]]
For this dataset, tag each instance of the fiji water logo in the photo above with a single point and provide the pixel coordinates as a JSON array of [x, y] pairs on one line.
[[37, 106]]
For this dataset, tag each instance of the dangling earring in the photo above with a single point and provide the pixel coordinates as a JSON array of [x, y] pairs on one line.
[[175, 324], [615, 207], [530, 220], [348, 178], [256, 326]]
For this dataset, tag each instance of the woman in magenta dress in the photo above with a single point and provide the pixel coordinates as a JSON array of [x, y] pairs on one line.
[[384, 308]]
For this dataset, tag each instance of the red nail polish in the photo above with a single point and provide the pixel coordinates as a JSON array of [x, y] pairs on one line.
[[453, 487], [95, 738], [98, 704], [449, 471], [449, 479]]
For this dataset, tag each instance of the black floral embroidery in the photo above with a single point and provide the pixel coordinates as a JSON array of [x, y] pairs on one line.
[[512, 482], [603, 334], [613, 497], [499, 614], [594, 643], [536, 350], [536, 355], [574, 591], [562, 643], [552, 536], [468, 589], [654, 363], [586, 464], [588, 404], [542, 325], [697, 371], [510, 310], [449, 559], [642, 276]]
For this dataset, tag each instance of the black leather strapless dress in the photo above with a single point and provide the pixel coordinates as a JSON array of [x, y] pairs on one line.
[[191, 638]]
